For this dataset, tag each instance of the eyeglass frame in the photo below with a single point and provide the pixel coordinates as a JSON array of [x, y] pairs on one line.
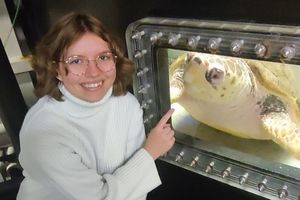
[[86, 61]]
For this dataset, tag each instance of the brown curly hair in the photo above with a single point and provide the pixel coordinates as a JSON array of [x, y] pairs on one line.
[[61, 36]]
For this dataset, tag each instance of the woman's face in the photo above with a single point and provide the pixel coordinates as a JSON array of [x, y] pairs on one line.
[[94, 83]]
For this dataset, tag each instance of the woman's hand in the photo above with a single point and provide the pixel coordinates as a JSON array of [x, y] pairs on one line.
[[161, 137]]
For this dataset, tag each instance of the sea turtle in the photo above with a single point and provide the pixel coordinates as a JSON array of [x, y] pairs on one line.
[[245, 98]]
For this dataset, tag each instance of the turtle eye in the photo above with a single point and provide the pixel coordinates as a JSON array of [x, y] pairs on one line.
[[197, 60], [215, 75]]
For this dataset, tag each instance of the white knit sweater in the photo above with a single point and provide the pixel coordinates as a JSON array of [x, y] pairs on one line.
[[86, 151]]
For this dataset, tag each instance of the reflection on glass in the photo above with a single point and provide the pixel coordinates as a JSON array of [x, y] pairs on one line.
[[247, 105]]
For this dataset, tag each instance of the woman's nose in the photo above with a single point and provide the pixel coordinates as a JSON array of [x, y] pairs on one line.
[[92, 68]]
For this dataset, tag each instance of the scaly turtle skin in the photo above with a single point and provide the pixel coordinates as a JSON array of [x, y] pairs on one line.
[[245, 98]]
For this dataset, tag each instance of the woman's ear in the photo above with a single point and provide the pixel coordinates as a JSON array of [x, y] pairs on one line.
[[59, 77]]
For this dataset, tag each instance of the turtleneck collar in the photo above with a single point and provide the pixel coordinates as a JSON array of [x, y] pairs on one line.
[[79, 108]]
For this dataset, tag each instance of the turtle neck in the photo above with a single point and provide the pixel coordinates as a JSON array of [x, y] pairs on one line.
[[79, 108]]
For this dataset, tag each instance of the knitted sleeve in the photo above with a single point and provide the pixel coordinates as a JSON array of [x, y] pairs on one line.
[[136, 133], [136, 139]]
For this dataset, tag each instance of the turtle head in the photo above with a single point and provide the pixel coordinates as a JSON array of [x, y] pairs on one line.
[[213, 78], [214, 71], [215, 74]]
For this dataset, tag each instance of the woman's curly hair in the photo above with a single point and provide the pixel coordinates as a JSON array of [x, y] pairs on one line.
[[61, 36]]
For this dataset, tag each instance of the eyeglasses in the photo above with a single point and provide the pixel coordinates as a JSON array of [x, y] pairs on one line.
[[78, 64]]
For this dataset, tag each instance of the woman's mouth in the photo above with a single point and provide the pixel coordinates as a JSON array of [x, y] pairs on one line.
[[92, 85]]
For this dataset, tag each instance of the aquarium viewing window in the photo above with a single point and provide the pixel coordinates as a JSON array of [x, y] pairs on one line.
[[235, 88]]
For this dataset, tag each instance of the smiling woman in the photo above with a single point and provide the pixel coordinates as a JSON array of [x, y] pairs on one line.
[[69, 38], [77, 141], [87, 80]]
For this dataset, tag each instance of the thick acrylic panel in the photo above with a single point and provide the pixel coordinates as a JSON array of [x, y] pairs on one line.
[[226, 81], [241, 106]]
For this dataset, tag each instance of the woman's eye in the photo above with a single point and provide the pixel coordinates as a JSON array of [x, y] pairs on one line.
[[104, 57], [76, 61]]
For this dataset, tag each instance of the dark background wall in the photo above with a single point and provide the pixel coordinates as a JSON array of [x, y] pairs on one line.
[[36, 16]]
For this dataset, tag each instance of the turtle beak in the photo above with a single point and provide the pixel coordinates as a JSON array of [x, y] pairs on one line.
[[215, 74]]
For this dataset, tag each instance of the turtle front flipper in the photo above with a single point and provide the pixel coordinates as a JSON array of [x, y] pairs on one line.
[[176, 72], [283, 131], [176, 85]]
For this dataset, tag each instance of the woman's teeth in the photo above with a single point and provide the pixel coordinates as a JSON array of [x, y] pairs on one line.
[[93, 85]]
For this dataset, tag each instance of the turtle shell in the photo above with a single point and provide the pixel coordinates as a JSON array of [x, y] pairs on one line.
[[278, 80]]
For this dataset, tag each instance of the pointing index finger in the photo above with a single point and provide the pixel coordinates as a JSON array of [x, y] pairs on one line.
[[166, 117]]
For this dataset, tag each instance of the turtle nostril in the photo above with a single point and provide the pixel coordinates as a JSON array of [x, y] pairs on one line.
[[214, 76]]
